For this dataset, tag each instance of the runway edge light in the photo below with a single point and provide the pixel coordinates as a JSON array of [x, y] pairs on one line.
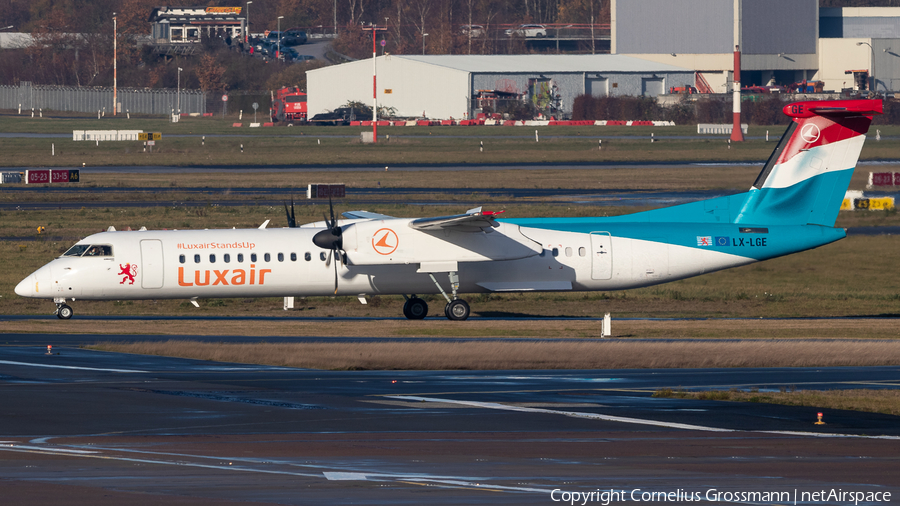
[[820, 422], [49, 349]]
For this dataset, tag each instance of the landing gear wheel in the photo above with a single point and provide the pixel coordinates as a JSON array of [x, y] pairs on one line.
[[64, 312], [415, 309], [457, 310]]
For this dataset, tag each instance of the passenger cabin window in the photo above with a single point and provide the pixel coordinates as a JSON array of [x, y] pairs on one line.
[[281, 257], [226, 257], [322, 256], [240, 258], [307, 256], [267, 257], [568, 251], [181, 259], [293, 257], [582, 252], [212, 258], [252, 257], [196, 259], [555, 252]]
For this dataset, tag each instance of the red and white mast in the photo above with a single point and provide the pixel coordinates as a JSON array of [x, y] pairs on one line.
[[736, 134]]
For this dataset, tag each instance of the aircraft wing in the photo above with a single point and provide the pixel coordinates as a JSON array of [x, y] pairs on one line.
[[365, 215], [473, 221]]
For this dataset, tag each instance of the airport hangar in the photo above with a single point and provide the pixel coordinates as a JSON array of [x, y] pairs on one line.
[[786, 41], [445, 86]]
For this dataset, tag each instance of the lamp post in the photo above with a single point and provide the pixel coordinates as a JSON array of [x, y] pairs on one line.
[[423, 42], [874, 81], [247, 35], [178, 103], [278, 50], [115, 59]]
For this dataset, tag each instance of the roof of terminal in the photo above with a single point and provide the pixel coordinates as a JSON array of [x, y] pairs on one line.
[[544, 63]]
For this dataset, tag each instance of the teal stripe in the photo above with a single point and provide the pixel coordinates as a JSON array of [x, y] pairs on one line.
[[779, 240]]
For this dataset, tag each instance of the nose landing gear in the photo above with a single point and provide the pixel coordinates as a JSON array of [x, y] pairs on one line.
[[63, 312]]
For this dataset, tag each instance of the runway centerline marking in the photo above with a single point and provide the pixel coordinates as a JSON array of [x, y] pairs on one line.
[[576, 414], [28, 364], [622, 419]]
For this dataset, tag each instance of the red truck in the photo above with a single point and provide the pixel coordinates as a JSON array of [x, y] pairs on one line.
[[288, 104]]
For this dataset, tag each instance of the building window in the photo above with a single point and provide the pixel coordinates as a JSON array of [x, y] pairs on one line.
[[181, 259]]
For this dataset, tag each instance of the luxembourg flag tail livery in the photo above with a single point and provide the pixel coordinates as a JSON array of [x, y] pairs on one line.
[[791, 207]]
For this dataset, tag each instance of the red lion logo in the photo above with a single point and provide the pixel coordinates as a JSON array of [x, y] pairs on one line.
[[129, 271]]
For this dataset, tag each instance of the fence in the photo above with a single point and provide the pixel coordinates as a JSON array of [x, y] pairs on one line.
[[82, 99]]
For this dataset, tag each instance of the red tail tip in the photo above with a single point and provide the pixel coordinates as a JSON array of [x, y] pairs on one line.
[[834, 108]]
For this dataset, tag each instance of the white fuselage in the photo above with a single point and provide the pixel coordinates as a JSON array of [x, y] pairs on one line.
[[384, 257]]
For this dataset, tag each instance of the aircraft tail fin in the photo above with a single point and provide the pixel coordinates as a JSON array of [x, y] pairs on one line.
[[806, 177]]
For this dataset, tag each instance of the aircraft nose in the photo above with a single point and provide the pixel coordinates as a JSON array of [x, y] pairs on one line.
[[26, 287]]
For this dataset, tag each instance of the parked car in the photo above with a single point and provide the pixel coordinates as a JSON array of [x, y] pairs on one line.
[[304, 57], [294, 37], [528, 31], [472, 30], [340, 116]]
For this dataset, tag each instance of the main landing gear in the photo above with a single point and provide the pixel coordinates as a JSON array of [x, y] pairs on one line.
[[415, 308], [456, 309], [63, 312]]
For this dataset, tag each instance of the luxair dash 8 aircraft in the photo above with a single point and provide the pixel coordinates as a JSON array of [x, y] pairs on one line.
[[791, 207]]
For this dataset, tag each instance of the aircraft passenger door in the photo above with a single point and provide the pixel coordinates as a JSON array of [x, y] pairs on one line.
[[151, 263], [601, 255]]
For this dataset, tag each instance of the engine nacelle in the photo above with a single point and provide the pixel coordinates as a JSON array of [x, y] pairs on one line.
[[395, 242]]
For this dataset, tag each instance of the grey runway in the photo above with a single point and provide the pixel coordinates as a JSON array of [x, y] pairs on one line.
[[155, 429]]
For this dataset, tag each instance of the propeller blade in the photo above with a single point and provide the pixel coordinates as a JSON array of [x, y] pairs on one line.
[[293, 220], [331, 210], [290, 219], [335, 278]]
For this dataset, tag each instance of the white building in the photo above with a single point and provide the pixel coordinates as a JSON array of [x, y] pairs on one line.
[[446, 86]]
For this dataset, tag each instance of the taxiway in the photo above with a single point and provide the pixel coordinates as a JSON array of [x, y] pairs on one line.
[[106, 428]]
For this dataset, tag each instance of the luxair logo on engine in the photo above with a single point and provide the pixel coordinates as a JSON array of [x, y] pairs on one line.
[[385, 241]]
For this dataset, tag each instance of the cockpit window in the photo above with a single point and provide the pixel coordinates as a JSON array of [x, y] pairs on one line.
[[77, 250], [89, 250], [99, 250]]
